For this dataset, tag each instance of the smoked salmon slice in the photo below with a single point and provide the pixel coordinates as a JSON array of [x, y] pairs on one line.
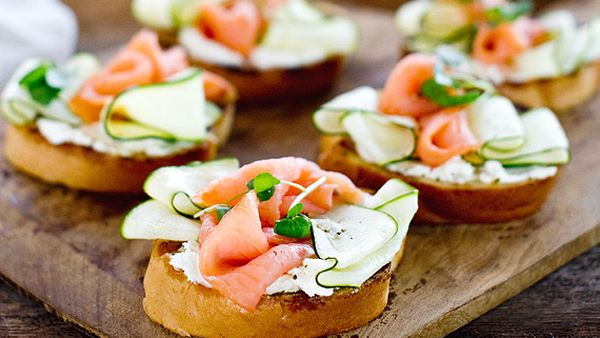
[[245, 285], [236, 26], [142, 61], [164, 63], [444, 135], [128, 68], [291, 169], [269, 210], [308, 207], [230, 186], [402, 92], [236, 257], [236, 240], [208, 223], [275, 239], [501, 44], [88, 103]]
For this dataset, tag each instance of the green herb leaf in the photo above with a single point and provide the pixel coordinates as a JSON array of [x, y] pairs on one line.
[[298, 226], [296, 210], [221, 211], [467, 33], [440, 94], [508, 12], [37, 86], [264, 185]]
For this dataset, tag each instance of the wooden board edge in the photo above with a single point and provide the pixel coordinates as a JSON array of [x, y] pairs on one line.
[[63, 316], [504, 291]]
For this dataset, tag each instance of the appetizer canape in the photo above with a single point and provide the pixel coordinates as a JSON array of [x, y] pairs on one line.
[[276, 248], [268, 49], [468, 151], [542, 62], [105, 129]]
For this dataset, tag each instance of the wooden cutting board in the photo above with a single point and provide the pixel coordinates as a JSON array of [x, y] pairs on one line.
[[63, 247]]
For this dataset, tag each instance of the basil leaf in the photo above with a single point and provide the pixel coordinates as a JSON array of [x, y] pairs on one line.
[[508, 12], [37, 86], [264, 185], [221, 211], [295, 211], [440, 94], [296, 227]]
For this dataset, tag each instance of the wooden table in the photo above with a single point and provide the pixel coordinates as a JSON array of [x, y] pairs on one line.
[[567, 303], [564, 304]]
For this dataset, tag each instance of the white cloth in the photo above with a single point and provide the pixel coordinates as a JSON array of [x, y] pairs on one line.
[[28, 28]]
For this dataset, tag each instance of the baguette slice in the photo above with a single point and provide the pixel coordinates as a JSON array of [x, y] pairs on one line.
[[280, 84], [559, 94], [441, 202], [83, 168], [191, 309]]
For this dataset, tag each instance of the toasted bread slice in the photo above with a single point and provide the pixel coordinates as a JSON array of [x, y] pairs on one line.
[[191, 309], [83, 168], [441, 202], [559, 94], [280, 84]]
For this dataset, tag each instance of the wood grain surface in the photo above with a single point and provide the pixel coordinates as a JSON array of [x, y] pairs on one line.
[[564, 304], [63, 246]]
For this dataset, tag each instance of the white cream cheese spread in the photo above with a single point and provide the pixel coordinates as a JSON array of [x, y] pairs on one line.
[[186, 260], [457, 170], [93, 136], [261, 58], [302, 278]]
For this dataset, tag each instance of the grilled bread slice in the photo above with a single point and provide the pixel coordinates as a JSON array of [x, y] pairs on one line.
[[441, 202], [83, 168], [191, 309]]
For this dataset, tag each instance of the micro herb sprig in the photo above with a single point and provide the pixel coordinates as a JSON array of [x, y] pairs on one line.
[[295, 224], [264, 186]]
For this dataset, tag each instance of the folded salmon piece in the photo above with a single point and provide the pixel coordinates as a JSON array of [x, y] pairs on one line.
[[444, 135]]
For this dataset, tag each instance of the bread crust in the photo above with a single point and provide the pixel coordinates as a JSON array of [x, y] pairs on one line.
[[279, 84], [441, 202], [83, 168], [559, 94], [191, 309]]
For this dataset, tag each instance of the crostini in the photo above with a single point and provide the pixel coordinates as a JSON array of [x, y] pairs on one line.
[[536, 62], [106, 128], [270, 50], [467, 150], [276, 248]]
